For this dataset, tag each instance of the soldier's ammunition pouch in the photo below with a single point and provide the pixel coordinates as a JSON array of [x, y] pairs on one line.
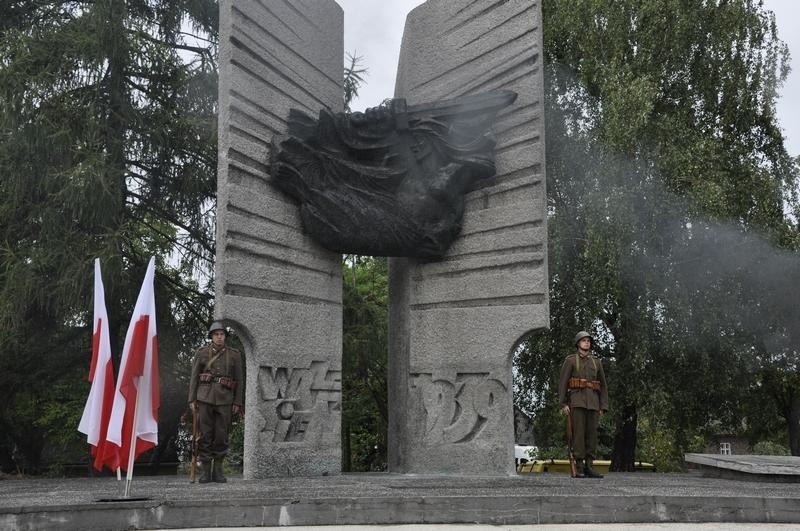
[[206, 377], [224, 381], [583, 383]]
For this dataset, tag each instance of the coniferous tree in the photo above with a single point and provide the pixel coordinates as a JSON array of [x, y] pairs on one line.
[[108, 149]]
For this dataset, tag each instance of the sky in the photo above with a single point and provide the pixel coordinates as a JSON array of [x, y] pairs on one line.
[[787, 13], [373, 30]]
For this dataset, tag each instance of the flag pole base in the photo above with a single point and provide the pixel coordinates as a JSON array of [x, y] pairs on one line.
[[124, 494], [130, 499]]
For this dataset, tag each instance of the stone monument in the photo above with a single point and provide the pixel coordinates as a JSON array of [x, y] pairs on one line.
[[280, 290], [427, 177], [454, 323]]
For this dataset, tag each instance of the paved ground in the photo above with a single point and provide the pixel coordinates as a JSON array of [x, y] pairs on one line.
[[563, 527], [498, 503], [72, 491], [727, 526]]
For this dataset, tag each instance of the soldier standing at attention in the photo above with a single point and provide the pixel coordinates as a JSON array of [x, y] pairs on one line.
[[215, 395], [582, 391]]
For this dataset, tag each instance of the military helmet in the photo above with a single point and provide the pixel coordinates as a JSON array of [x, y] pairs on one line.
[[217, 325], [580, 335]]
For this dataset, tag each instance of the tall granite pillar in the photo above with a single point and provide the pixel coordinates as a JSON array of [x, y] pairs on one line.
[[278, 288], [454, 323]]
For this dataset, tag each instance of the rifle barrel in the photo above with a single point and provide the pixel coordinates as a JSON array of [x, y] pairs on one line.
[[573, 466]]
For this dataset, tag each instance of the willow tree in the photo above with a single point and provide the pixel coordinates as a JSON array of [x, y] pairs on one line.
[[661, 126], [108, 149]]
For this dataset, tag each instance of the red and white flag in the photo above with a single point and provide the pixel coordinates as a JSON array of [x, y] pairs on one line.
[[97, 411], [133, 426]]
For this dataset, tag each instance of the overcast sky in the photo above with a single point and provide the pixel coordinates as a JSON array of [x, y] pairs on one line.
[[373, 30], [786, 15]]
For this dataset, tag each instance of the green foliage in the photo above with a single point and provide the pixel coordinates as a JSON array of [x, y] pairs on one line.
[[658, 445], [666, 175], [108, 149], [364, 357], [551, 452], [353, 79], [770, 448], [236, 448]]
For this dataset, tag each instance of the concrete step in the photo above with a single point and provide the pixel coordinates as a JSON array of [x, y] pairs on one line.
[[351, 499]]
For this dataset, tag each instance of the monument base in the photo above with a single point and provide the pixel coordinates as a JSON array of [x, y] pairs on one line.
[[769, 468], [387, 499]]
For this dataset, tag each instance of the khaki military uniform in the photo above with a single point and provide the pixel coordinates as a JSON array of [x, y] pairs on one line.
[[582, 387], [216, 385]]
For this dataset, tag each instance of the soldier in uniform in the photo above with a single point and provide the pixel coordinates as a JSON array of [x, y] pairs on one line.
[[215, 395], [582, 391]]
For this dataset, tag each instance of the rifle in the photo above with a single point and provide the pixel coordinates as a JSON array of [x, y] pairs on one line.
[[193, 464], [573, 467]]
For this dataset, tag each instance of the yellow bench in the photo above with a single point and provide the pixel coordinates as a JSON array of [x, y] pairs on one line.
[[562, 465]]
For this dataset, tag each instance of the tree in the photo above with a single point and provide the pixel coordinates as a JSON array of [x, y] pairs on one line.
[[353, 79], [365, 347], [365, 302], [109, 150], [661, 134]]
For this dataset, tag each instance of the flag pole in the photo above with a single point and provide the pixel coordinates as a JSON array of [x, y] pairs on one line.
[[132, 452]]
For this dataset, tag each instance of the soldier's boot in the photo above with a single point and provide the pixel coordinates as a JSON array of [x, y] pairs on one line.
[[578, 468], [589, 472], [205, 477], [219, 477]]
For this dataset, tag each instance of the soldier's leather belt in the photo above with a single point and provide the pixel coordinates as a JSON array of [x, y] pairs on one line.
[[583, 383], [225, 381]]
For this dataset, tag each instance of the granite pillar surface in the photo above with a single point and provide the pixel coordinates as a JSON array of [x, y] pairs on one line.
[[454, 323], [276, 287]]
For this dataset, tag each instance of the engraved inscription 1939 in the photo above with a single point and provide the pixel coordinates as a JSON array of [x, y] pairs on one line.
[[458, 411]]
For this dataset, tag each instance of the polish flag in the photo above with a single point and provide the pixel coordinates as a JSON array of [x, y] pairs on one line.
[[97, 411], [133, 427]]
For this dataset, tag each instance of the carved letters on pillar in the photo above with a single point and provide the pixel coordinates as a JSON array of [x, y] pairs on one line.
[[458, 411], [297, 401]]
